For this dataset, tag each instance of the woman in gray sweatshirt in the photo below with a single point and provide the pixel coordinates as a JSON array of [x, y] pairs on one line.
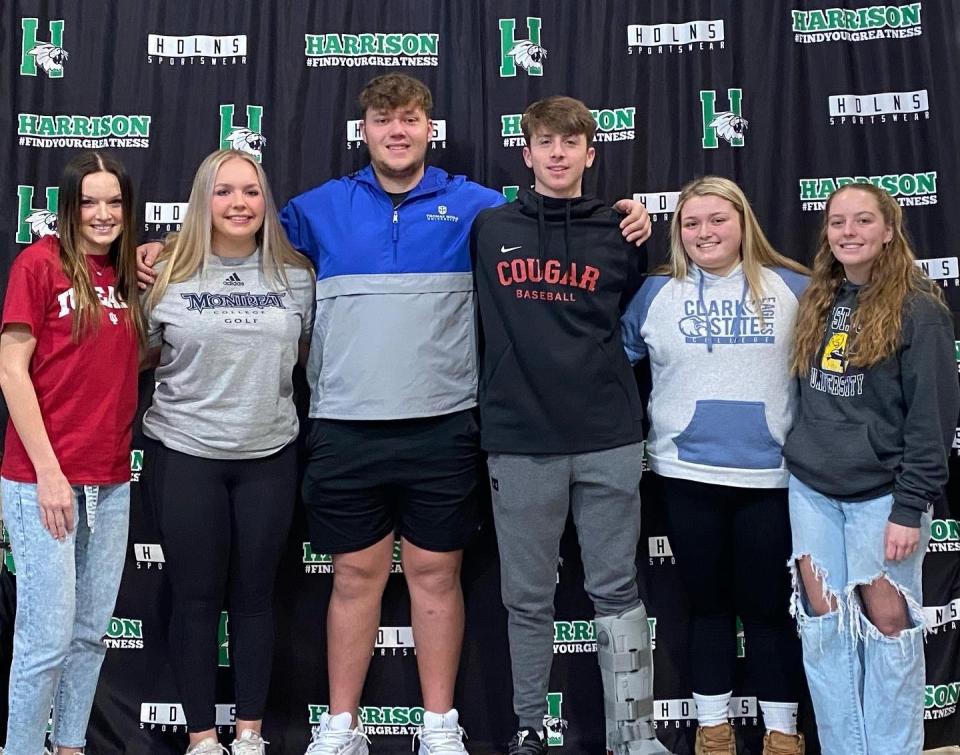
[[868, 456]]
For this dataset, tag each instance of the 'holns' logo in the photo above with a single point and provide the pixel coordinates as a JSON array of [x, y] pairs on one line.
[[35, 221], [660, 204], [526, 53], [47, 56], [729, 125], [249, 138], [688, 35]]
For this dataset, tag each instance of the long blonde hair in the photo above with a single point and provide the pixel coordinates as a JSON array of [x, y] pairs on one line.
[[875, 328], [122, 253], [185, 253], [756, 251]]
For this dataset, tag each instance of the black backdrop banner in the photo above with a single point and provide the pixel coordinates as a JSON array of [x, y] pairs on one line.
[[790, 99]]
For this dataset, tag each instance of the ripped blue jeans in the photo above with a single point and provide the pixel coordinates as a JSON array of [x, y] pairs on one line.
[[867, 688]]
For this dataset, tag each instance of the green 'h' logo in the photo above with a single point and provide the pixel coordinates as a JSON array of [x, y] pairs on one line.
[[247, 138], [29, 55], [223, 640], [508, 41], [728, 124], [555, 712], [35, 220]]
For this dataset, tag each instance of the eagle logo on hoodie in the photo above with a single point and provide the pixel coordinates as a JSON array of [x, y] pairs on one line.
[[693, 326]]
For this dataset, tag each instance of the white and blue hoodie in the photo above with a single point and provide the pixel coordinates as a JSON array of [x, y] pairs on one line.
[[723, 398]]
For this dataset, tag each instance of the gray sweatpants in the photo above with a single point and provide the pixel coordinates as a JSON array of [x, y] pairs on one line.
[[531, 497]]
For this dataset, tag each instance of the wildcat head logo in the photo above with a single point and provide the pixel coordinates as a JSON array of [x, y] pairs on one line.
[[245, 140], [554, 726], [527, 54], [729, 126], [49, 58], [42, 222]]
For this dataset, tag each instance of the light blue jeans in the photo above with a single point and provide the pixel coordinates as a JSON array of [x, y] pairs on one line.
[[867, 688], [65, 597]]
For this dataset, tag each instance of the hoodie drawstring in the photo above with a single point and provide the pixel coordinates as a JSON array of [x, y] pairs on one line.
[[541, 229], [706, 317], [738, 317], [738, 313]]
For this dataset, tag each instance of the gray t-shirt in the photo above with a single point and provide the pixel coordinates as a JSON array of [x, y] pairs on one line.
[[228, 347]]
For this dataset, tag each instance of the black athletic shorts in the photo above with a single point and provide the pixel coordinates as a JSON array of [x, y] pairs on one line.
[[416, 477]]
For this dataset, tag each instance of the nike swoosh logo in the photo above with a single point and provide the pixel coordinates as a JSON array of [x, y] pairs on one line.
[[505, 249]]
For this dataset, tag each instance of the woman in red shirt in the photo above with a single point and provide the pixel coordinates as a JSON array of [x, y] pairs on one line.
[[69, 347]]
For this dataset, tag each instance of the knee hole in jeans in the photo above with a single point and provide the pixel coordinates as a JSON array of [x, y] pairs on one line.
[[810, 591], [887, 607]]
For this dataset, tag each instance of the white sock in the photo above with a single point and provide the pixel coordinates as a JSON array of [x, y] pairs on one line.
[[713, 709], [341, 721], [780, 717], [448, 720]]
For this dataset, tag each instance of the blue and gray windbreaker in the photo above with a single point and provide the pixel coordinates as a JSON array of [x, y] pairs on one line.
[[394, 333]]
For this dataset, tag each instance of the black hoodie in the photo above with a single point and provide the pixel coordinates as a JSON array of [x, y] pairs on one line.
[[552, 277]]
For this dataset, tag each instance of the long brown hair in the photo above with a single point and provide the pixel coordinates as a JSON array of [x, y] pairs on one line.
[[755, 250], [875, 329], [122, 253], [185, 253]]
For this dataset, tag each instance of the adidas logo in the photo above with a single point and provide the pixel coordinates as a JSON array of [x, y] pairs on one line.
[[233, 280]]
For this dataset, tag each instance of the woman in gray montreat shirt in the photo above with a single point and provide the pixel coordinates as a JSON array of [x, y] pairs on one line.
[[231, 309]]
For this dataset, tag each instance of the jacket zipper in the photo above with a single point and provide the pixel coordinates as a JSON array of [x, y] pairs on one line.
[[396, 232]]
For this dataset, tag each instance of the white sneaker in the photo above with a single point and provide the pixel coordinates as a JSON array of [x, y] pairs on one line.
[[441, 733], [335, 737], [248, 743], [208, 746]]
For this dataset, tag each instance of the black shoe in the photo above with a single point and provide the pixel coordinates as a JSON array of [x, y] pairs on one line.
[[528, 741]]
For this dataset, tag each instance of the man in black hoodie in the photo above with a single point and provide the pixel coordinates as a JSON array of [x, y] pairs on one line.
[[561, 421]]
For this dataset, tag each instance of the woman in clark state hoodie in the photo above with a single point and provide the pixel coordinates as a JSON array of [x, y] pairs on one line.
[[717, 325]]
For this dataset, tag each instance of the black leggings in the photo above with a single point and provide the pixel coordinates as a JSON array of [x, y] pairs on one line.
[[732, 546], [224, 526]]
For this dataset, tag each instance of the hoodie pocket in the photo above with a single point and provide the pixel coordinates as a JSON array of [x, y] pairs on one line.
[[732, 434], [835, 458]]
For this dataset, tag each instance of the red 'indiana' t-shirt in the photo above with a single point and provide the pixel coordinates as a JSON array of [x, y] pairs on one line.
[[87, 391]]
